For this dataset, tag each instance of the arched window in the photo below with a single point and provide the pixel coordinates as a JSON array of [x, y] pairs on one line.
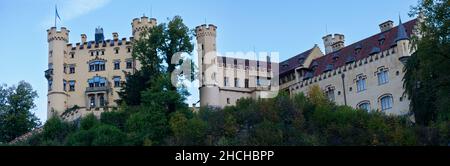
[[361, 83], [364, 105], [329, 91], [386, 102], [102, 100], [382, 74]]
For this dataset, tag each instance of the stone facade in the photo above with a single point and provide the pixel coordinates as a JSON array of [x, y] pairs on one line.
[[367, 74], [85, 77]]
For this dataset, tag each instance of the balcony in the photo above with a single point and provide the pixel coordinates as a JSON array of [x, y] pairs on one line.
[[48, 74], [97, 89]]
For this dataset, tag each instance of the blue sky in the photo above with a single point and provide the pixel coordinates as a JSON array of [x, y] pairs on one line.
[[285, 26]]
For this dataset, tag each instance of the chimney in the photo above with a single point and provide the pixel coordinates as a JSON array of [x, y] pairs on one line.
[[115, 36], [83, 38], [385, 26]]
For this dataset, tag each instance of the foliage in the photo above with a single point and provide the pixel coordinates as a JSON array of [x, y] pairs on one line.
[[153, 111], [149, 123], [16, 118], [427, 77]]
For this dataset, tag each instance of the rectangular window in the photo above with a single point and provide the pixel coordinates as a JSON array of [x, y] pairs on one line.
[[236, 82], [117, 51], [129, 49], [225, 81], [64, 85], [361, 85], [50, 83], [246, 83], [72, 85], [129, 64], [224, 61], [92, 101], [72, 70], [116, 81], [258, 81], [247, 63], [235, 63], [116, 65], [382, 77]]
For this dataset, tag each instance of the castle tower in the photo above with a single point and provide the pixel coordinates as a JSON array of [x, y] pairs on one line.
[[333, 43], [99, 36], [207, 60], [57, 97], [402, 41], [328, 43], [140, 25]]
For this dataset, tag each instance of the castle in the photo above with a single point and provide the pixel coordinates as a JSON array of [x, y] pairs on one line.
[[84, 78], [366, 74]]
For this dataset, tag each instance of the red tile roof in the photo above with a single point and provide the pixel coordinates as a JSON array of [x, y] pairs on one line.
[[294, 62], [367, 46]]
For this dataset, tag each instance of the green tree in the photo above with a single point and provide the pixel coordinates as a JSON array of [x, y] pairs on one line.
[[55, 131], [88, 122], [427, 77], [16, 118], [149, 124], [107, 135], [186, 131], [160, 45]]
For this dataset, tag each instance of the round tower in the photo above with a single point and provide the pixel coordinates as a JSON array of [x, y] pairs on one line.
[[140, 25], [207, 60], [57, 97]]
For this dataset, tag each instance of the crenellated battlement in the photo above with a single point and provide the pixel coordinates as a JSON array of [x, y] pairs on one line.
[[205, 30], [115, 42], [343, 69], [139, 25], [54, 34]]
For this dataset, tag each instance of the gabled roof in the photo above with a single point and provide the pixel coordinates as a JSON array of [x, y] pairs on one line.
[[366, 46], [294, 62]]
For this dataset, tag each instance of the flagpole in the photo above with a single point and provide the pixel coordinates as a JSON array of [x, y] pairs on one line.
[[55, 16]]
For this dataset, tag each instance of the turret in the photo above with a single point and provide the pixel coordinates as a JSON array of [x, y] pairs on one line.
[[99, 36], [402, 41], [83, 38], [339, 42], [115, 36], [142, 24], [207, 59], [57, 44], [327, 43], [333, 43]]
